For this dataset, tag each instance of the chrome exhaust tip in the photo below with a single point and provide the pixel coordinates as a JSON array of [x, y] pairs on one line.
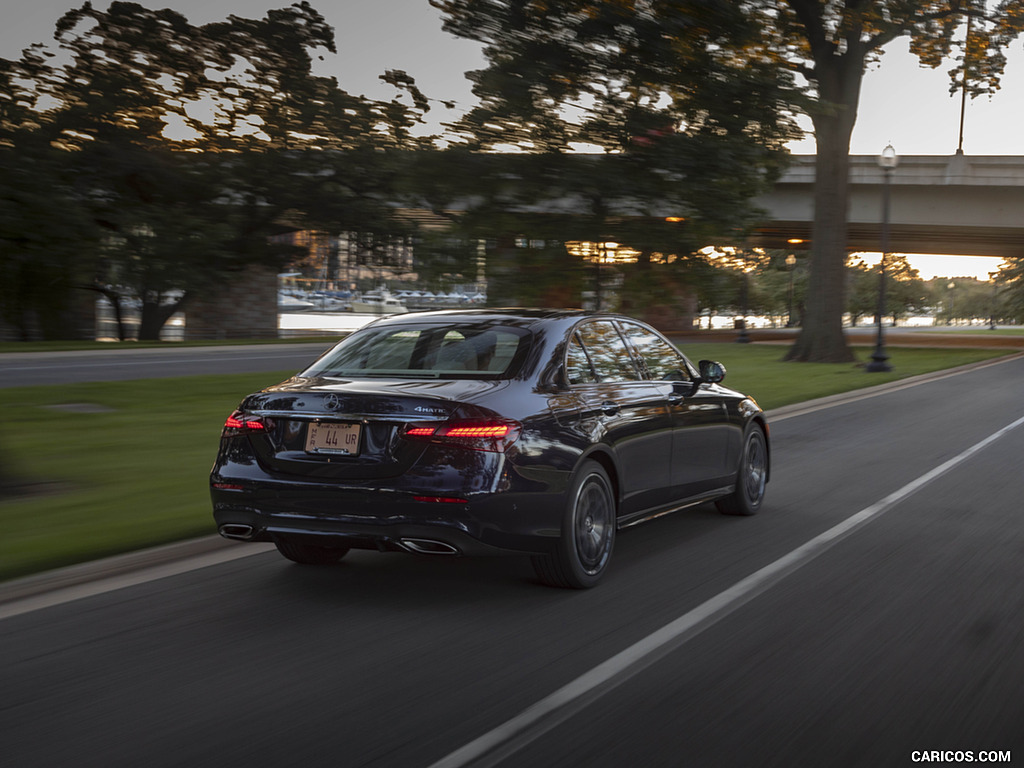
[[236, 531], [428, 547]]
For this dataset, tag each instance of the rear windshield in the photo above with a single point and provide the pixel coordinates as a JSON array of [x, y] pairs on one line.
[[449, 351]]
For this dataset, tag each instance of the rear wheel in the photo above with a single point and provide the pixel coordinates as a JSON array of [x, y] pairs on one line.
[[309, 554], [585, 546], [751, 477]]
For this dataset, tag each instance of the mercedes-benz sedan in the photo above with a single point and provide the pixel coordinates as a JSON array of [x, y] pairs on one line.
[[539, 432]]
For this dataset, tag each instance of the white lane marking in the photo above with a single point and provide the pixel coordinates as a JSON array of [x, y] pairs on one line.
[[511, 736], [112, 583]]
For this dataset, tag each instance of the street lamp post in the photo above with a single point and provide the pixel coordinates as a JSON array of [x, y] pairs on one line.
[[743, 337], [995, 296], [791, 263], [879, 358]]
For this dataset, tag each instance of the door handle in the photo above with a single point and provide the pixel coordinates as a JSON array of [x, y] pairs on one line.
[[675, 398], [609, 408]]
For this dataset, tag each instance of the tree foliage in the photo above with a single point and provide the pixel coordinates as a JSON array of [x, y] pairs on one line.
[[173, 151], [905, 290], [959, 300], [43, 232], [630, 85], [1010, 295], [606, 72]]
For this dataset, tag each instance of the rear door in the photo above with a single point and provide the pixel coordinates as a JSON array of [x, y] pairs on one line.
[[619, 407]]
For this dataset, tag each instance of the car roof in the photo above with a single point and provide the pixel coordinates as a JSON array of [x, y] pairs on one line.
[[515, 316]]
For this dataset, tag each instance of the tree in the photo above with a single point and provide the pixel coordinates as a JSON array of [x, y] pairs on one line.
[[632, 83], [43, 257], [1009, 282], [965, 298], [182, 148], [862, 291], [175, 213], [830, 44], [806, 57], [906, 291], [779, 287]]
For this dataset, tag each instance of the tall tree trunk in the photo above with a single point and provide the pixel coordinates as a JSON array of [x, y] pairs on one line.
[[821, 338], [155, 315], [114, 299]]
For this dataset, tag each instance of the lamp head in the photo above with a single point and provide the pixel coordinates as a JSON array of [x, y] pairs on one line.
[[887, 159]]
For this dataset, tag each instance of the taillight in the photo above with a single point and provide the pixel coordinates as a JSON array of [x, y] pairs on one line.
[[478, 435], [238, 423]]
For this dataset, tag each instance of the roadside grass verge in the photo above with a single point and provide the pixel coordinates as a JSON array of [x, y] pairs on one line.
[[126, 467], [758, 369]]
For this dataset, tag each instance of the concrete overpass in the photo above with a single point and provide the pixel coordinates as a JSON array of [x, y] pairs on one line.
[[957, 205]]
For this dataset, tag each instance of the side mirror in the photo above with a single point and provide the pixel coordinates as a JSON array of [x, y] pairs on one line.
[[711, 372]]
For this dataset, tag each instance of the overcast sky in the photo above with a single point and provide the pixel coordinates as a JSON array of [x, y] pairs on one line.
[[901, 102]]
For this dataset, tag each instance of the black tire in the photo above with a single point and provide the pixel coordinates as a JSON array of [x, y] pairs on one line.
[[751, 476], [309, 554], [585, 546]]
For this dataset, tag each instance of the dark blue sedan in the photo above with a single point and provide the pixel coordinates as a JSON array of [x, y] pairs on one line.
[[539, 432]]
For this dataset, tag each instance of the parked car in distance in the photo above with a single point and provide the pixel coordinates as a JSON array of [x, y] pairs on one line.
[[466, 432]]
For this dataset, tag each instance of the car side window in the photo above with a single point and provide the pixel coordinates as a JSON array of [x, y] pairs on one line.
[[661, 359], [608, 352], [577, 365]]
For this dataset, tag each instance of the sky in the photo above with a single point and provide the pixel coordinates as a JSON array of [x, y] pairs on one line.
[[901, 102]]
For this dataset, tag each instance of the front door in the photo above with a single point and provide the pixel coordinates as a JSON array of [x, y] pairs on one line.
[[623, 410]]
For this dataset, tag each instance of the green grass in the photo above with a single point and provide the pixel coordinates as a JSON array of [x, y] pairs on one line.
[[135, 473], [758, 369], [130, 477]]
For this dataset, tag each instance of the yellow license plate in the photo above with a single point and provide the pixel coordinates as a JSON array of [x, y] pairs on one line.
[[334, 437]]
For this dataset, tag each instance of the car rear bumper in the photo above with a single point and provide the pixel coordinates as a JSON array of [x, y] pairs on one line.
[[386, 520]]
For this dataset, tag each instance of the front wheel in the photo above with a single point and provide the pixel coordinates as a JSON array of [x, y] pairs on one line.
[[309, 554], [584, 548], [751, 476]]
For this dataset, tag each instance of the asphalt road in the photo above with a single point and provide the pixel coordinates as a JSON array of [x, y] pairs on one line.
[[871, 612], [20, 369]]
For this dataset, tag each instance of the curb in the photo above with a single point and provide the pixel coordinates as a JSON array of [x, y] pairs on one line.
[[81, 573], [117, 565]]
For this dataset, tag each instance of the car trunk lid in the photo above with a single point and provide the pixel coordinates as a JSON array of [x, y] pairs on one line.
[[352, 430]]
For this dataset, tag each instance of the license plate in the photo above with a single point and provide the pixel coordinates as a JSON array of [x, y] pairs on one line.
[[335, 437]]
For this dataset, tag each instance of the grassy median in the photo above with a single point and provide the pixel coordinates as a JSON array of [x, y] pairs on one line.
[[104, 468]]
